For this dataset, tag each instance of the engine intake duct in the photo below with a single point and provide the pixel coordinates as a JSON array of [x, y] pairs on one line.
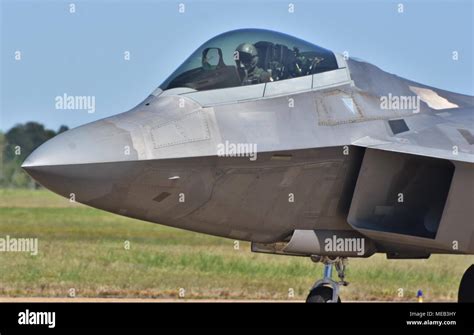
[[400, 193]]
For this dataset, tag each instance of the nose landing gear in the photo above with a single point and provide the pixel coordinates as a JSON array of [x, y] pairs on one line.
[[466, 288], [326, 289]]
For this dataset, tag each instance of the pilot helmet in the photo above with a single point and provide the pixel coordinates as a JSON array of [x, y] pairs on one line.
[[247, 55]]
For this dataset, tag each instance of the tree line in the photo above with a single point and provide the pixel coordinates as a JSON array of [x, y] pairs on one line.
[[15, 145]]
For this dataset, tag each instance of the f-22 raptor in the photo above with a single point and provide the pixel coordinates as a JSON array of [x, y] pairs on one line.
[[264, 137]]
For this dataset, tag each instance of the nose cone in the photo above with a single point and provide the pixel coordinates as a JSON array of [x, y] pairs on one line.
[[76, 160], [102, 163], [97, 142]]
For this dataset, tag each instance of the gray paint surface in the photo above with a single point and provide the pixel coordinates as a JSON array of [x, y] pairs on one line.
[[320, 138]]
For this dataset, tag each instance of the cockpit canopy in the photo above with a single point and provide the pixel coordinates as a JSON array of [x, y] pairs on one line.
[[247, 57]]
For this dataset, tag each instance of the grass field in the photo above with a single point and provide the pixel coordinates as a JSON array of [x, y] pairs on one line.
[[84, 249]]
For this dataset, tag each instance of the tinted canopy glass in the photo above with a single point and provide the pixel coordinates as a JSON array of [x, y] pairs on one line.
[[249, 56]]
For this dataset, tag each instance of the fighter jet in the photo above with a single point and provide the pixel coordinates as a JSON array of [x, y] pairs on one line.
[[264, 137]]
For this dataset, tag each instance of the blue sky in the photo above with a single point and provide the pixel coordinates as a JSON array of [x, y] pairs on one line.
[[82, 53]]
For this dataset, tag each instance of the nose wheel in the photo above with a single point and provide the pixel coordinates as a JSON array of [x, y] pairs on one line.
[[466, 288], [327, 290]]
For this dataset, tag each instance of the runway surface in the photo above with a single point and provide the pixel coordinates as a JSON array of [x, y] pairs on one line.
[[158, 300], [118, 300]]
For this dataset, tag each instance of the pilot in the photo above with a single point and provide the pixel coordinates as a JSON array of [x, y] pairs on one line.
[[246, 58]]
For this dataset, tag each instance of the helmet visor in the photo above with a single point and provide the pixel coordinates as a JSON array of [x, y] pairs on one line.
[[245, 58]]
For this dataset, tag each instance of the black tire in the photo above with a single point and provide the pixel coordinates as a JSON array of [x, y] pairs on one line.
[[466, 287], [320, 294]]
